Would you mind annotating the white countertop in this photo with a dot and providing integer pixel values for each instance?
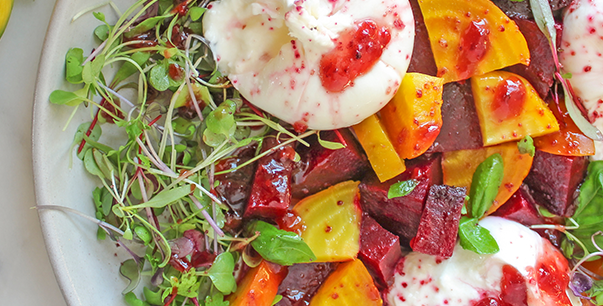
(26, 277)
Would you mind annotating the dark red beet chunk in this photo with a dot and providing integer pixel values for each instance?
(401, 215)
(235, 186)
(271, 190)
(422, 60)
(554, 180)
(439, 221)
(379, 250)
(460, 128)
(320, 168)
(542, 65)
(520, 208)
(521, 9)
(302, 282)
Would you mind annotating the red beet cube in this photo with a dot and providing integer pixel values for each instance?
(320, 167)
(440, 221)
(554, 179)
(541, 70)
(460, 124)
(401, 215)
(520, 208)
(302, 282)
(422, 60)
(379, 250)
(271, 190)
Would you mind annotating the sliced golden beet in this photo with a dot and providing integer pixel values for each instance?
(569, 140)
(381, 153)
(509, 108)
(458, 168)
(349, 284)
(413, 117)
(472, 37)
(331, 222)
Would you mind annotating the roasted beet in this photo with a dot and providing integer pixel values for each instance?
(521, 9)
(440, 221)
(271, 190)
(302, 281)
(401, 215)
(520, 208)
(379, 250)
(422, 60)
(460, 128)
(235, 186)
(541, 70)
(320, 168)
(554, 180)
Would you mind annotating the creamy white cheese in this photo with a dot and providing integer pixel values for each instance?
(581, 55)
(271, 52)
(466, 277)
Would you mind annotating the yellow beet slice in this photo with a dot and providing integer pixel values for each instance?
(471, 38)
(458, 168)
(331, 222)
(509, 108)
(413, 118)
(349, 284)
(381, 153)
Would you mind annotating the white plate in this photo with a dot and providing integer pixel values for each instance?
(87, 269)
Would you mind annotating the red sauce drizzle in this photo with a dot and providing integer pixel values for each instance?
(509, 98)
(513, 287)
(356, 51)
(553, 277)
(475, 42)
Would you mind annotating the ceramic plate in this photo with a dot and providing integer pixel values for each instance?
(87, 269)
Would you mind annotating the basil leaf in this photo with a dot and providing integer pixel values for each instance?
(279, 246)
(475, 238)
(401, 189)
(590, 207)
(484, 185)
(221, 273)
(526, 146)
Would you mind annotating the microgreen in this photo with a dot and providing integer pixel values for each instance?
(526, 146)
(402, 188)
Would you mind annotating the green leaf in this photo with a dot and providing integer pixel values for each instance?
(73, 65)
(475, 238)
(279, 246)
(165, 197)
(484, 185)
(196, 12)
(221, 120)
(132, 300)
(102, 32)
(62, 97)
(144, 26)
(90, 164)
(92, 69)
(98, 15)
(526, 146)
(187, 284)
(95, 134)
(277, 299)
(159, 78)
(216, 300)
(221, 273)
(131, 270)
(590, 207)
(401, 189)
(331, 145)
(152, 297)
(128, 69)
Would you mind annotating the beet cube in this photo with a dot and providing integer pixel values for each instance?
(401, 215)
(320, 168)
(379, 250)
(302, 282)
(520, 208)
(521, 9)
(271, 190)
(440, 221)
(554, 180)
(235, 186)
(541, 70)
(422, 59)
(460, 124)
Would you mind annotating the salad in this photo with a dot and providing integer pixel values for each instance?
(335, 152)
